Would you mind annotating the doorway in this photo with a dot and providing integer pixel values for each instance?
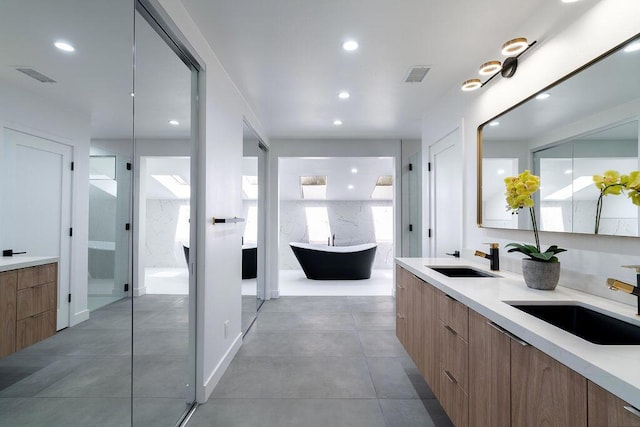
(337, 204)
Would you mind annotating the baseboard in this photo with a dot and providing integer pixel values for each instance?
(220, 369)
(79, 317)
(138, 292)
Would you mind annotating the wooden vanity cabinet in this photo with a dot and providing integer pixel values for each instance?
(453, 336)
(608, 410)
(401, 305)
(544, 392)
(489, 374)
(28, 306)
(8, 287)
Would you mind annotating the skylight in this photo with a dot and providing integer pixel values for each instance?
(313, 187)
(175, 184)
(384, 188)
(567, 192)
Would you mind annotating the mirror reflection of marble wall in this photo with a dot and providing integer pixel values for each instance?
(584, 125)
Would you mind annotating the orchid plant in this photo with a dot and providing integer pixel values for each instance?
(611, 182)
(519, 195)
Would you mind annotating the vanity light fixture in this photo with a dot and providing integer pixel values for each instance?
(64, 46)
(350, 45)
(489, 68)
(471, 84)
(542, 96)
(344, 95)
(337, 122)
(174, 122)
(512, 49)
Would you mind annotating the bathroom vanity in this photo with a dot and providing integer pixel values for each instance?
(28, 301)
(490, 363)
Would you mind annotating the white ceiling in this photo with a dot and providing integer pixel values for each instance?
(96, 80)
(286, 58)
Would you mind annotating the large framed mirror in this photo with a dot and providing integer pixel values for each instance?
(583, 125)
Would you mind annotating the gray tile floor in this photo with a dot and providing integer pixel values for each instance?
(322, 361)
(82, 375)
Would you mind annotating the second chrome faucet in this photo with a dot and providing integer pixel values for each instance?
(493, 256)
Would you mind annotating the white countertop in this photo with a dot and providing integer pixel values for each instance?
(22, 261)
(613, 367)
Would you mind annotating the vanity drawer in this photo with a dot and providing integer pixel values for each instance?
(454, 400)
(34, 276)
(35, 328)
(455, 315)
(454, 356)
(36, 299)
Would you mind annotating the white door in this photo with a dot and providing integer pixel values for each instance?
(36, 206)
(446, 194)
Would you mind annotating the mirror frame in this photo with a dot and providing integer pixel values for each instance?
(513, 107)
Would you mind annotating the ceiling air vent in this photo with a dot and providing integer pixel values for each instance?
(416, 74)
(35, 74)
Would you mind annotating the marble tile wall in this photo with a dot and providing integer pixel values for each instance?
(165, 234)
(351, 221)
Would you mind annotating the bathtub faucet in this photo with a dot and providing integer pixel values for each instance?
(493, 256)
(616, 285)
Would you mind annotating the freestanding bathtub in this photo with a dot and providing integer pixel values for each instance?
(321, 262)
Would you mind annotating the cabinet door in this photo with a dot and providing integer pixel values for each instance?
(489, 374)
(544, 392)
(430, 352)
(8, 286)
(401, 305)
(607, 410)
(415, 318)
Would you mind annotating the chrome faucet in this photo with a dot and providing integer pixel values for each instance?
(493, 256)
(617, 285)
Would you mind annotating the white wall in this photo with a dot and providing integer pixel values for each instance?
(320, 148)
(218, 267)
(26, 112)
(590, 258)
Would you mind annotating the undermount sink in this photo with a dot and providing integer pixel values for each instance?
(585, 323)
(460, 271)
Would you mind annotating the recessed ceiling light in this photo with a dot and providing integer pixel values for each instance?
(500, 171)
(344, 95)
(494, 123)
(350, 45)
(632, 47)
(174, 122)
(337, 122)
(542, 96)
(354, 170)
(64, 46)
(350, 187)
(570, 1)
(132, 94)
(568, 171)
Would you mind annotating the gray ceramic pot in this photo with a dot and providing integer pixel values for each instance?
(540, 275)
